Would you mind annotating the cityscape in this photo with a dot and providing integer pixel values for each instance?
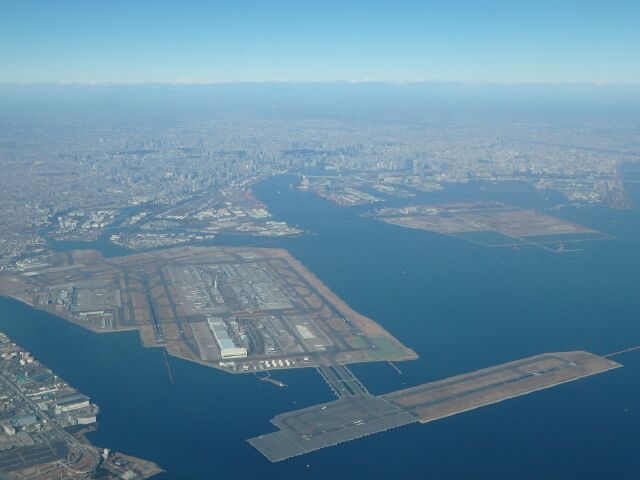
(319, 240)
(196, 178)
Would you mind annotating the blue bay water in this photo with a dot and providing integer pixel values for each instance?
(458, 305)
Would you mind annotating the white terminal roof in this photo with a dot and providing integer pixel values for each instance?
(227, 346)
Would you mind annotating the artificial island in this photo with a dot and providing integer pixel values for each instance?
(236, 308)
(492, 224)
(251, 310)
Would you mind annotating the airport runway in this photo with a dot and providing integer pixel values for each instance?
(356, 413)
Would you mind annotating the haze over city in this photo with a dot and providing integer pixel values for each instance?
(286, 240)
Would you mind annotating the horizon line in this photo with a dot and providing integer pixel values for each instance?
(366, 81)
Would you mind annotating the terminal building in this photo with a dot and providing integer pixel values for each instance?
(228, 348)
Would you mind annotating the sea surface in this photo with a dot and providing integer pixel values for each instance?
(459, 305)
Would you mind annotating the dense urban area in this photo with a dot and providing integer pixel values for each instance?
(168, 183)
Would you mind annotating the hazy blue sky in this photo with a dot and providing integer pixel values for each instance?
(308, 40)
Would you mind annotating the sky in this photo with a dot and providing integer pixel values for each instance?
(494, 41)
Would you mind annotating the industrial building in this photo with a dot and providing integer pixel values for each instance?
(228, 348)
(70, 403)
